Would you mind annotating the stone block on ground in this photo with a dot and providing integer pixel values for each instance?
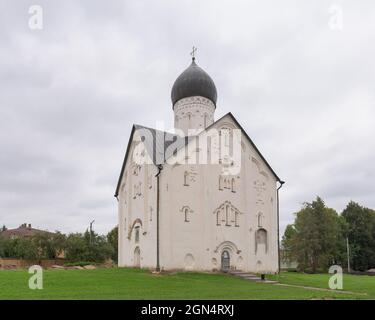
(89, 267)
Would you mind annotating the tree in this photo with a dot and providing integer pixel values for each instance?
(3, 247)
(50, 244)
(288, 242)
(315, 240)
(25, 248)
(22, 247)
(76, 247)
(361, 235)
(88, 247)
(112, 238)
(44, 245)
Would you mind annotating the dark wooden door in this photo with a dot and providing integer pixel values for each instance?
(225, 261)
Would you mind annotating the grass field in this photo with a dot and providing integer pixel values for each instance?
(364, 285)
(119, 283)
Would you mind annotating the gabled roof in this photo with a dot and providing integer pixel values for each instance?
(156, 146)
(251, 141)
(23, 231)
(162, 140)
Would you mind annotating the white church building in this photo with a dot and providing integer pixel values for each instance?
(200, 198)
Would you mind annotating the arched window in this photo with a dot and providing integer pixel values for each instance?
(189, 120)
(261, 241)
(227, 221)
(186, 213)
(186, 178)
(226, 138)
(260, 219)
(205, 120)
(236, 222)
(136, 234)
(233, 185)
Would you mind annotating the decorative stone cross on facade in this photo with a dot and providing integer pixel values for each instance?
(193, 52)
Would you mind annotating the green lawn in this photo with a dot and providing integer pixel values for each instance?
(120, 283)
(354, 283)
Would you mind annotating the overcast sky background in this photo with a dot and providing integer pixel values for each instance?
(300, 85)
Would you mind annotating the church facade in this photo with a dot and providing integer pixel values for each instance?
(202, 198)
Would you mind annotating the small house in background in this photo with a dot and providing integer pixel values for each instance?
(24, 230)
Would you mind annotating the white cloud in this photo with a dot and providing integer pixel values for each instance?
(70, 93)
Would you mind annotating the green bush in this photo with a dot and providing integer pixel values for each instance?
(78, 247)
(87, 247)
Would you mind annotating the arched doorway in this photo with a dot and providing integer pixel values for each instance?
(225, 261)
(137, 257)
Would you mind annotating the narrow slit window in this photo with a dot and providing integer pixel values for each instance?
(186, 178)
(233, 185)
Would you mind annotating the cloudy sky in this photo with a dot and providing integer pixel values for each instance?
(298, 75)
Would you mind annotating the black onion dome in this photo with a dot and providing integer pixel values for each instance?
(194, 81)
